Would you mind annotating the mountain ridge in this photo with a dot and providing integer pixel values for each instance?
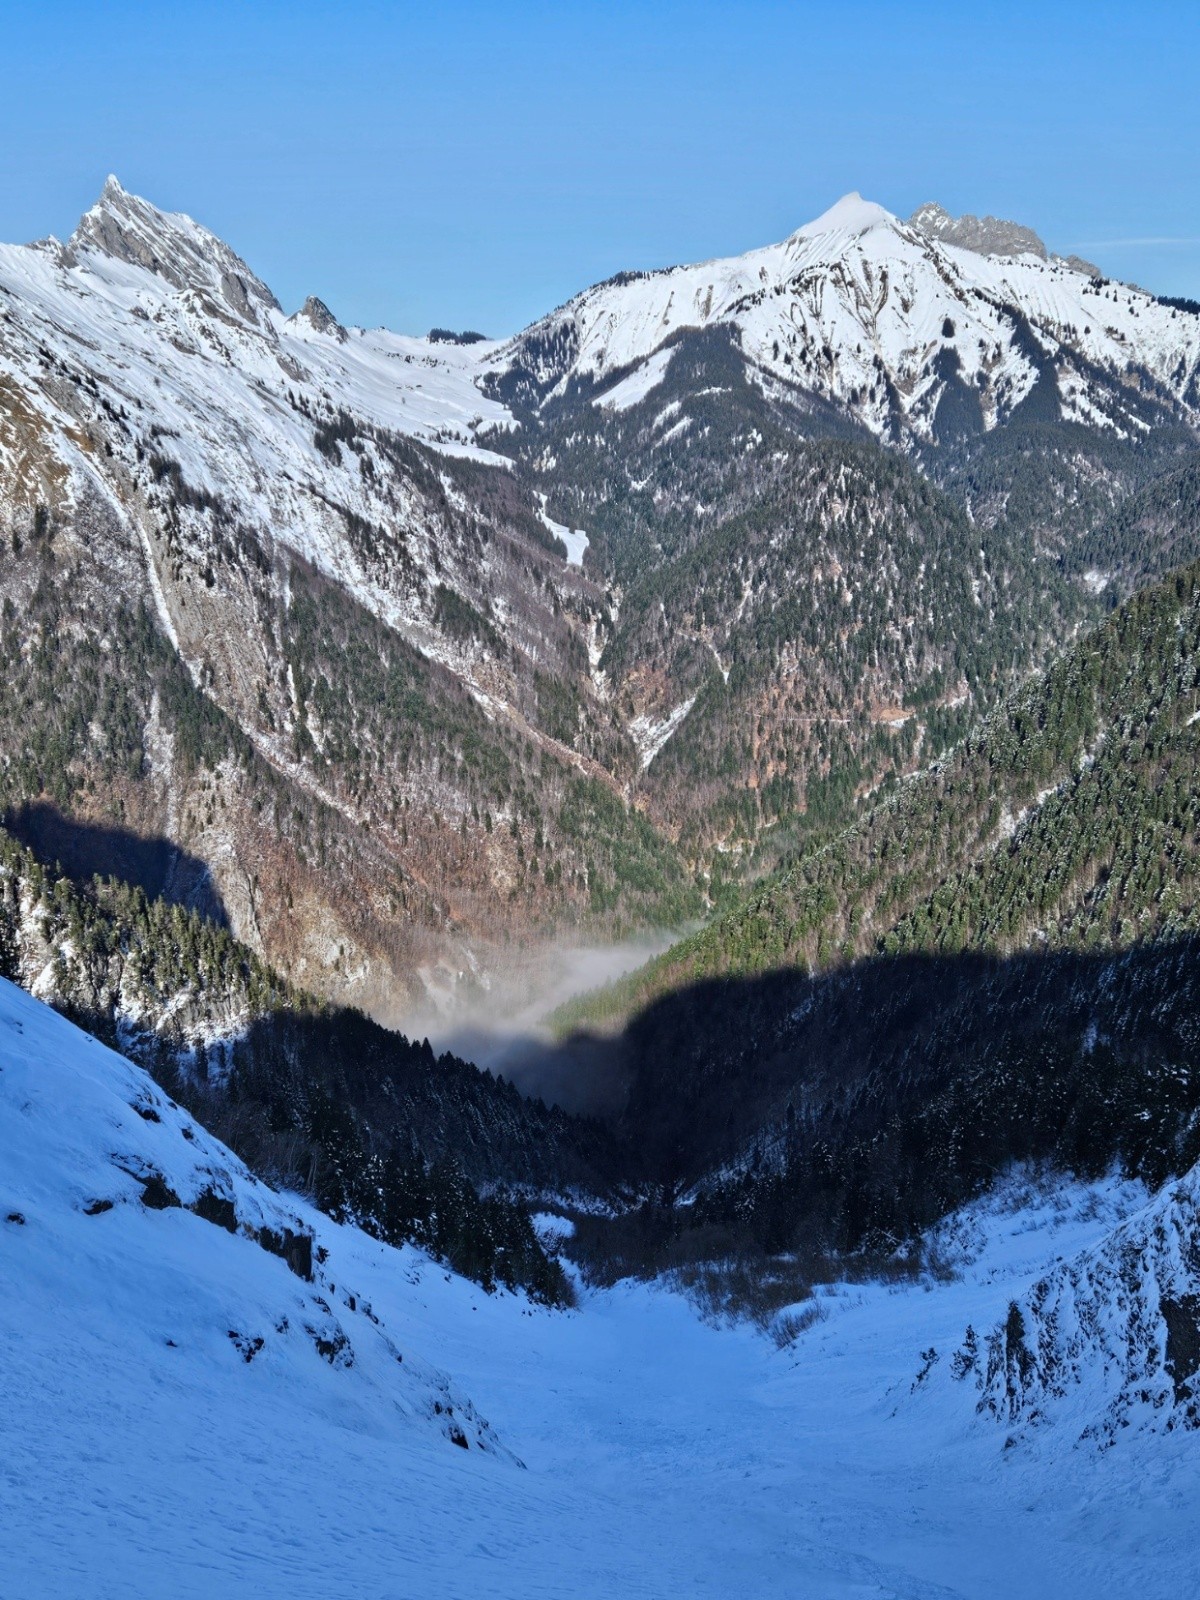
(535, 668)
(877, 269)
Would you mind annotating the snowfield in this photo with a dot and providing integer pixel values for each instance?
(151, 1448)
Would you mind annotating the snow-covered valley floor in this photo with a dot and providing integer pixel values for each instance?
(658, 1456)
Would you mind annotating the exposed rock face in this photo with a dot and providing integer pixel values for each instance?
(319, 317)
(986, 236)
(125, 228)
(1079, 264)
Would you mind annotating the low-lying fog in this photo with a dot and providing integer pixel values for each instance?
(503, 1028)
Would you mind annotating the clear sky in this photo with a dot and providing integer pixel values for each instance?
(474, 165)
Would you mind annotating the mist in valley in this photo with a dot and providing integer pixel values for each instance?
(504, 1027)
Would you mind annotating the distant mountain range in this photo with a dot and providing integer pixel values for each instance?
(413, 649)
(924, 329)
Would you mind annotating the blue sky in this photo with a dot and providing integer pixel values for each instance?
(473, 165)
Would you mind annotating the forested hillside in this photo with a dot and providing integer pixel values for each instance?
(806, 611)
(1066, 818)
(356, 809)
(999, 962)
(314, 1097)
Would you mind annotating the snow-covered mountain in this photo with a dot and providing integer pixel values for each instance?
(442, 600)
(145, 333)
(144, 362)
(259, 488)
(857, 306)
(371, 648)
(132, 279)
(891, 320)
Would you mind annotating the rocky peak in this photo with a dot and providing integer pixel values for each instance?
(1080, 264)
(320, 318)
(124, 227)
(986, 236)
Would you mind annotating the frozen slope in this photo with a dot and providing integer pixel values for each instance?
(686, 1460)
(662, 1457)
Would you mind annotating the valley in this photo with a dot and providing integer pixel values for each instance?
(600, 930)
(629, 1445)
(356, 672)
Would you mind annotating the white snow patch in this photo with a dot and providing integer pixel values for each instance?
(650, 735)
(638, 384)
(675, 431)
(575, 539)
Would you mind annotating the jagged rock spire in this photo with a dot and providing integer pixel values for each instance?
(318, 316)
(986, 236)
(124, 227)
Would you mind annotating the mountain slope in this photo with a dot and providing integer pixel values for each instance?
(1107, 1341)
(684, 419)
(147, 1430)
(145, 1268)
(999, 962)
(315, 1098)
(382, 645)
(1066, 817)
(296, 600)
(882, 318)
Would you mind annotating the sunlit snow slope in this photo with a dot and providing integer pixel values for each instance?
(147, 332)
(166, 1324)
(884, 319)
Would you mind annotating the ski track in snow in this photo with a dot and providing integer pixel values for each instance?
(662, 1457)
